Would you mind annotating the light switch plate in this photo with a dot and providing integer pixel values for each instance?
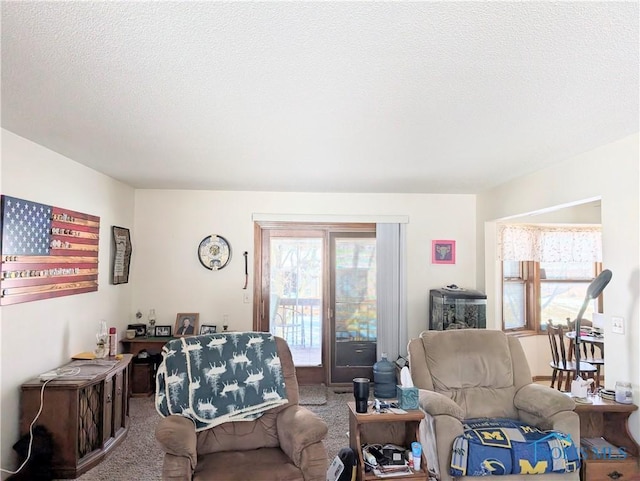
(617, 325)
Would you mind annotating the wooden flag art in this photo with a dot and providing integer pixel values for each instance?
(46, 251)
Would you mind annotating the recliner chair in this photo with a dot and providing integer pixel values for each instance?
(284, 444)
(477, 373)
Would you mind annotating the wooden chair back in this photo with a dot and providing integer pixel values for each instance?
(556, 343)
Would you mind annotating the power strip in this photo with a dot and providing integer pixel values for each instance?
(49, 375)
(61, 372)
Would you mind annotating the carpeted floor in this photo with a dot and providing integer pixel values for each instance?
(313, 395)
(139, 457)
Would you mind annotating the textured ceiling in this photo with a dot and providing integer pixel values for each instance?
(451, 97)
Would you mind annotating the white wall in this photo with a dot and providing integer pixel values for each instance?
(612, 173)
(41, 335)
(170, 224)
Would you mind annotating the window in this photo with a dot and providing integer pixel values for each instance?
(535, 292)
(514, 296)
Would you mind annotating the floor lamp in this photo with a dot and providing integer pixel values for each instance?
(594, 290)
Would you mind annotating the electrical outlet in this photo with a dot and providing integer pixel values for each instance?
(617, 325)
(245, 297)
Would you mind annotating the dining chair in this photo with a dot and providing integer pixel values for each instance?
(560, 364)
(588, 351)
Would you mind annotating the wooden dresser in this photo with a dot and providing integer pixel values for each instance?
(88, 415)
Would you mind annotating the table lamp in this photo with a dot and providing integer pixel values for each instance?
(594, 290)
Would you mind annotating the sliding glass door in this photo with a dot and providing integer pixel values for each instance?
(295, 293)
(353, 305)
(315, 288)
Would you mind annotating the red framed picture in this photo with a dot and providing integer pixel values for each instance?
(443, 252)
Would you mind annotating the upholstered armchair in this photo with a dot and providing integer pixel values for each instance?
(477, 373)
(285, 443)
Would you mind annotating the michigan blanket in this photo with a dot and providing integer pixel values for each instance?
(491, 447)
(217, 378)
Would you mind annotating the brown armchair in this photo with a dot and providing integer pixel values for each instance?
(476, 373)
(285, 443)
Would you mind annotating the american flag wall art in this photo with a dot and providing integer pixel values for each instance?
(46, 251)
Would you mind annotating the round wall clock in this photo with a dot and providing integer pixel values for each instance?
(214, 252)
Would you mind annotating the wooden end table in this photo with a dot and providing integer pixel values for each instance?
(608, 419)
(143, 375)
(384, 428)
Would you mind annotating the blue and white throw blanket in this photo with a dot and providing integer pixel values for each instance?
(217, 378)
(491, 447)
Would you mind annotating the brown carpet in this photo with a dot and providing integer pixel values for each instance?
(139, 457)
(313, 395)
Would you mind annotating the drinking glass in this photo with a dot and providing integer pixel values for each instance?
(361, 393)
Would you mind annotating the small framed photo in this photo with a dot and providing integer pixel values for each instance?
(141, 329)
(443, 252)
(163, 331)
(186, 324)
(208, 329)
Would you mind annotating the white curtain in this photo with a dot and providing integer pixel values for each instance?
(391, 290)
(543, 243)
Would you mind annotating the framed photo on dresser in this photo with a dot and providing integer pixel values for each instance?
(186, 324)
(162, 331)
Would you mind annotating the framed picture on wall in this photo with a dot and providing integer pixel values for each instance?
(121, 255)
(443, 252)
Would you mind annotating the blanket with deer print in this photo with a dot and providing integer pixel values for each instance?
(217, 378)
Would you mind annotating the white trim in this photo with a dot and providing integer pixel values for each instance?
(331, 218)
(550, 209)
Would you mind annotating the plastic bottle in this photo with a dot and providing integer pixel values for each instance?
(384, 378)
(113, 341)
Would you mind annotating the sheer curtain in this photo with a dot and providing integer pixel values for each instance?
(391, 290)
(542, 243)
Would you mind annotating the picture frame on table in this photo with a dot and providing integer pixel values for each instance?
(186, 324)
(141, 329)
(208, 329)
(162, 331)
(443, 252)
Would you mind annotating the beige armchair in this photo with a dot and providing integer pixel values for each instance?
(473, 373)
(285, 443)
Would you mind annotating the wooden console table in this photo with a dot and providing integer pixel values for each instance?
(608, 419)
(88, 415)
(384, 428)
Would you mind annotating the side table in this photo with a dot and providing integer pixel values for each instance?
(153, 345)
(143, 374)
(608, 419)
(383, 428)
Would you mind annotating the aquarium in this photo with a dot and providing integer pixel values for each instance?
(457, 308)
